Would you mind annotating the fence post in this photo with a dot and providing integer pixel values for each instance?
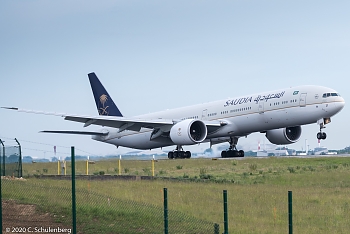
(165, 191)
(225, 213)
(119, 166)
(87, 166)
(58, 167)
(74, 218)
(19, 159)
(290, 212)
(153, 166)
(3, 158)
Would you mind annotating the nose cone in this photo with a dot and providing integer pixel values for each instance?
(340, 104)
(342, 101)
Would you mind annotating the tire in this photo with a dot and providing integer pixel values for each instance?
(181, 154)
(176, 154)
(319, 135)
(223, 154)
(241, 153)
(170, 155)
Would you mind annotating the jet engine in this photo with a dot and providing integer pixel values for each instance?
(188, 132)
(283, 136)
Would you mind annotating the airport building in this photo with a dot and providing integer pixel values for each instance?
(280, 151)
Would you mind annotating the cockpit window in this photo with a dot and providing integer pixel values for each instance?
(330, 95)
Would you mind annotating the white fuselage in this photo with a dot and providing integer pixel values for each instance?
(242, 115)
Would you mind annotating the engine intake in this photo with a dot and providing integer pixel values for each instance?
(188, 132)
(283, 136)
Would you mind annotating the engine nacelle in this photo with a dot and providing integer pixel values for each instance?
(188, 132)
(284, 136)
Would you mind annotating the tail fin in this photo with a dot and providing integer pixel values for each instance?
(104, 102)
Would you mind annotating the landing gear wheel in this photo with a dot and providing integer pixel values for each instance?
(232, 150)
(176, 154)
(241, 153)
(179, 153)
(224, 154)
(187, 154)
(232, 153)
(321, 135)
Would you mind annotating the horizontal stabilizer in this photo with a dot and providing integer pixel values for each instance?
(10, 108)
(79, 133)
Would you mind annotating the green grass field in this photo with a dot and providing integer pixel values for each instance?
(257, 194)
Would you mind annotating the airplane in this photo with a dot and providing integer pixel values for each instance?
(278, 114)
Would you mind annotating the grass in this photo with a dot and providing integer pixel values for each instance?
(257, 193)
(221, 169)
(99, 212)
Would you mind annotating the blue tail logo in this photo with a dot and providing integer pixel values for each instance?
(104, 102)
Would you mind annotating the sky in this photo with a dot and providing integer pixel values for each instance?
(157, 55)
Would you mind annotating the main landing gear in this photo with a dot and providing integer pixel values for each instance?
(232, 150)
(179, 153)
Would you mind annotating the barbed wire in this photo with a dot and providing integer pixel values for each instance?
(46, 151)
(40, 143)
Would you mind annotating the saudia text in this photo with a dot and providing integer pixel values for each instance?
(258, 99)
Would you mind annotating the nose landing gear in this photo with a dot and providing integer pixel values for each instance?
(322, 135)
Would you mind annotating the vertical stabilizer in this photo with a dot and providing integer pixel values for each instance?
(104, 102)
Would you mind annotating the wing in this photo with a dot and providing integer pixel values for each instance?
(122, 123)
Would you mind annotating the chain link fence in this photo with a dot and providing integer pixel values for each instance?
(42, 201)
(118, 206)
(11, 161)
(46, 205)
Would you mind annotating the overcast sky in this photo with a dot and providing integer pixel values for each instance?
(156, 55)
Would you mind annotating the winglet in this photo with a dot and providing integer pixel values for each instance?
(104, 102)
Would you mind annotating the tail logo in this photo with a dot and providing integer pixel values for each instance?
(103, 110)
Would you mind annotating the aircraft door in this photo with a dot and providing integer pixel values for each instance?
(302, 100)
(261, 106)
(204, 114)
